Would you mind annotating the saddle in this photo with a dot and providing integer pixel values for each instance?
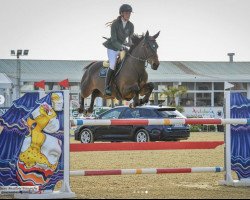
(121, 56)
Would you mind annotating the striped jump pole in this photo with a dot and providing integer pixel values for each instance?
(146, 122)
(133, 146)
(145, 171)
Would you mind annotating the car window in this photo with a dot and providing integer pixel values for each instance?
(112, 114)
(148, 113)
(100, 110)
(131, 113)
(171, 114)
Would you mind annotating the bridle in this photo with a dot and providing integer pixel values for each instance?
(152, 47)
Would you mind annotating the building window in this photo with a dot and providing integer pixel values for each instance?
(189, 86)
(203, 99)
(239, 86)
(187, 100)
(74, 86)
(218, 86)
(218, 99)
(56, 87)
(164, 86)
(27, 86)
(74, 96)
(203, 86)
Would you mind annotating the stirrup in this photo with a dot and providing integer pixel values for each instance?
(108, 91)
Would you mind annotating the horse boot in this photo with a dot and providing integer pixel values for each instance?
(108, 91)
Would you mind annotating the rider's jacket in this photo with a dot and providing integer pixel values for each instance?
(119, 34)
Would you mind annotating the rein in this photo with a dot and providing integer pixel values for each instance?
(138, 58)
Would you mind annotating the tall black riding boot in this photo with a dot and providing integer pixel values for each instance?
(107, 82)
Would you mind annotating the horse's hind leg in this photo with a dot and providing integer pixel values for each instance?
(146, 92)
(86, 90)
(81, 109)
(95, 94)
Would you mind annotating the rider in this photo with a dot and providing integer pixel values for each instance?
(121, 29)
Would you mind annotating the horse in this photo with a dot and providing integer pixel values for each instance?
(130, 82)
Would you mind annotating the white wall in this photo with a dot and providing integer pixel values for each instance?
(204, 112)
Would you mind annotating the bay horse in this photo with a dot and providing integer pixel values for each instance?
(132, 79)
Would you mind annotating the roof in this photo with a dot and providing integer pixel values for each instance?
(168, 71)
(5, 82)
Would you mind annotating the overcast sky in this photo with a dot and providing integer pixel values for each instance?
(191, 30)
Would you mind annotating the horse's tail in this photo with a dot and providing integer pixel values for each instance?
(88, 66)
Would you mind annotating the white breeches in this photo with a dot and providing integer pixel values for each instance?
(112, 55)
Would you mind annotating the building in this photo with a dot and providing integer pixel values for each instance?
(5, 97)
(204, 80)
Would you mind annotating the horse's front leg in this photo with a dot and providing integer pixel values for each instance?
(133, 92)
(146, 91)
(136, 101)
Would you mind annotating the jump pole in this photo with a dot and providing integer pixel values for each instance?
(142, 146)
(147, 122)
(145, 171)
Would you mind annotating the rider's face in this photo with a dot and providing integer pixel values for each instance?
(126, 15)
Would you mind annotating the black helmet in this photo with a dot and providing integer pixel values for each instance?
(125, 8)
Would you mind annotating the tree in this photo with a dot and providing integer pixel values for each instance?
(172, 93)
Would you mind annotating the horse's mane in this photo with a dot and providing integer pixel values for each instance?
(88, 66)
(136, 39)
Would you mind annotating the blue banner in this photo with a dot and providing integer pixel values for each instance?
(240, 139)
(31, 142)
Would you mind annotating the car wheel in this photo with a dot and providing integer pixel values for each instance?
(142, 136)
(86, 136)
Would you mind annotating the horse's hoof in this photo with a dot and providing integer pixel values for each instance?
(131, 105)
(141, 102)
(90, 111)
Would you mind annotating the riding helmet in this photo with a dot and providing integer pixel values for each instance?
(125, 8)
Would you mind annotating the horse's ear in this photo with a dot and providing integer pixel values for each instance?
(156, 35)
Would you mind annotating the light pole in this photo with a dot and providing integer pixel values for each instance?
(19, 53)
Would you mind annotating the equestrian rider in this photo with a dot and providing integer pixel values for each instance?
(121, 29)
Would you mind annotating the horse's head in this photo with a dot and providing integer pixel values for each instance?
(150, 47)
(144, 49)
